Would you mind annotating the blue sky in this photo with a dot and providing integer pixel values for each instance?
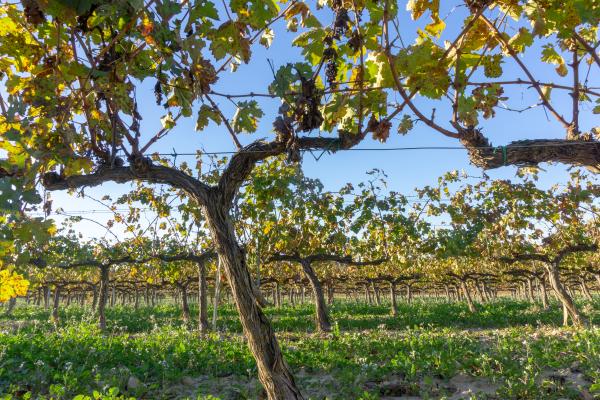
(406, 169)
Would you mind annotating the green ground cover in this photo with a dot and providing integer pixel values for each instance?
(432, 350)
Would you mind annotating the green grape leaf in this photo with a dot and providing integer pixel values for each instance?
(246, 117)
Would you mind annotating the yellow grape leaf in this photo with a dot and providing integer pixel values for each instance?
(436, 27)
(268, 226)
(12, 285)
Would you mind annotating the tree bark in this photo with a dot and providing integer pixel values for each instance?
(216, 295)
(273, 371)
(55, 317)
(112, 296)
(447, 290)
(203, 326)
(486, 291)
(259, 296)
(563, 296)
(467, 295)
(458, 293)
(322, 321)
(46, 297)
(542, 284)
(376, 294)
(524, 291)
(103, 296)
(530, 289)
(394, 305)
(585, 290)
(479, 291)
(185, 307)
(565, 315)
(277, 295)
(531, 152)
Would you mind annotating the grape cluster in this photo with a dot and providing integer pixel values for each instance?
(331, 68)
(355, 41)
(158, 94)
(204, 75)
(283, 123)
(307, 112)
(283, 126)
(476, 5)
(108, 61)
(342, 19)
(33, 12)
(340, 26)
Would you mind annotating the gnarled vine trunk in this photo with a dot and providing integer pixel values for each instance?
(479, 291)
(185, 307)
(563, 296)
(259, 296)
(202, 299)
(330, 292)
(136, 301)
(376, 293)
(542, 285)
(273, 371)
(94, 297)
(394, 305)
(530, 289)
(321, 316)
(467, 295)
(458, 293)
(484, 294)
(103, 297)
(46, 297)
(291, 295)
(585, 289)
(55, 317)
(277, 295)
(113, 295)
